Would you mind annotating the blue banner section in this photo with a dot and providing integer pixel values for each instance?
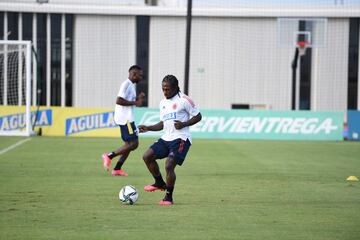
(353, 118)
(89, 122)
(16, 121)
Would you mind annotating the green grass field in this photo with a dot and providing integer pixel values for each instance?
(56, 188)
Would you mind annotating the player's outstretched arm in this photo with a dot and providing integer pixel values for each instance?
(156, 127)
(179, 125)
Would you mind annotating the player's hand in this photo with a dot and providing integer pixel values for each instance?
(141, 97)
(138, 103)
(178, 125)
(143, 128)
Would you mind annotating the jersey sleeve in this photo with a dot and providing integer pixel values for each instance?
(123, 90)
(190, 106)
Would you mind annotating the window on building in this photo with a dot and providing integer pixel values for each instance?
(1, 57)
(240, 106)
(27, 26)
(353, 67)
(305, 71)
(55, 60)
(41, 53)
(12, 84)
(13, 26)
(1, 25)
(142, 53)
(68, 59)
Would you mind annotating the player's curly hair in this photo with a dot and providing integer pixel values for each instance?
(135, 67)
(172, 80)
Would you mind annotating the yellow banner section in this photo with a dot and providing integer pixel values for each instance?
(82, 122)
(62, 121)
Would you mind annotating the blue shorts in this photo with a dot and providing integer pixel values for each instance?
(176, 149)
(128, 132)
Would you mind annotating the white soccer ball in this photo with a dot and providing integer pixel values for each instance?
(128, 194)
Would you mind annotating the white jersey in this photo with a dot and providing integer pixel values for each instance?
(124, 114)
(177, 108)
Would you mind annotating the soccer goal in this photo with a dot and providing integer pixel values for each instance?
(15, 88)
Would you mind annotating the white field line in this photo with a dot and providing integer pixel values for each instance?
(2, 151)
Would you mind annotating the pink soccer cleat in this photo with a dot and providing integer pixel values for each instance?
(166, 202)
(107, 161)
(119, 173)
(151, 188)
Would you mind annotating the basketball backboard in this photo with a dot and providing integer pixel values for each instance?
(291, 31)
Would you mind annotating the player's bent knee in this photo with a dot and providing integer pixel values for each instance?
(148, 156)
(133, 145)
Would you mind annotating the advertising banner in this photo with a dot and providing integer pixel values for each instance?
(245, 124)
(218, 124)
(13, 118)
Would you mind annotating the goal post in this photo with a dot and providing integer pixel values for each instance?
(15, 88)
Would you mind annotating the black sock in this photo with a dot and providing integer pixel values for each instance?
(119, 163)
(169, 192)
(111, 155)
(159, 181)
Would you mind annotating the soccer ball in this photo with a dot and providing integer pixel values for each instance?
(128, 194)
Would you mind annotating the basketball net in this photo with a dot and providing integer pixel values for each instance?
(302, 46)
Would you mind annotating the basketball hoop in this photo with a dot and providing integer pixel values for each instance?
(302, 46)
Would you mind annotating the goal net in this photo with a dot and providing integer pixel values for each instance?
(15, 88)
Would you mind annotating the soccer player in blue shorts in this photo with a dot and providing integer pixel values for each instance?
(124, 117)
(177, 113)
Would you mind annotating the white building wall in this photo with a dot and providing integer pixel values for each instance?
(234, 52)
(104, 49)
(238, 61)
(85, 2)
(233, 61)
(330, 69)
(167, 54)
